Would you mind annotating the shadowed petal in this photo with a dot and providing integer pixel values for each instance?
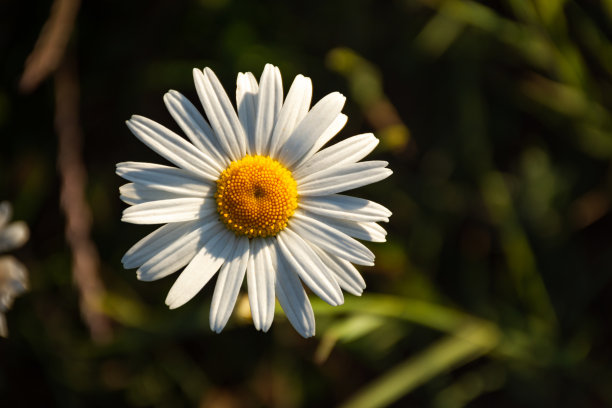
(331, 240)
(196, 128)
(221, 114)
(345, 177)
(270, 99)
(345, 207)
(293, 111)
(246, 100)
(202, 267)
(293, 299)
(228, 285)
(172, 147)
(350, 150)
(302, 140)
(309, 267)
(261, 277)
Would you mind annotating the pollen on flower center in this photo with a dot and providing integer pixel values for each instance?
(256, 196)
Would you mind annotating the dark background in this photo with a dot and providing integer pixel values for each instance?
(494, 286)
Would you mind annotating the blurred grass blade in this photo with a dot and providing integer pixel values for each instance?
(550, 10)
(346, 330)
(471, 385)
(427, 314)
(519, 254)
(468, 343)
(439, 33)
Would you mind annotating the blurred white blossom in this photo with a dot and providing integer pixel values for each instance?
(13, 274)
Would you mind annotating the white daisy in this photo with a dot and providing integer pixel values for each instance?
(253, 194)
(13, 274)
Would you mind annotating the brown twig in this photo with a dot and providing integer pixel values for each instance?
(86, 261)
(51, 44)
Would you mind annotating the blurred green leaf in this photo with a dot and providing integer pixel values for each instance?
(468, 343)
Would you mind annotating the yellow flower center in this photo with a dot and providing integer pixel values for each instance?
(256, 196)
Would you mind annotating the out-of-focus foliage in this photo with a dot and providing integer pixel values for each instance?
(494, 288)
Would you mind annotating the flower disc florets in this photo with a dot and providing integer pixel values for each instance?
(256, 196)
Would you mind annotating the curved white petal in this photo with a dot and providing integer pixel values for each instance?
(156, 241)
(293, 111)
(261, 277)
(6, 212)
(135, 193)
(165, 178)
(171, 210)
(178, 253)
(220, 113)
(269, 101)
(293, 299)
(228, 285)
(172, 147)
(202, 267)
(331, 131)
(346, 274)
(196, 128)
(300, 256)
(331, 239)
(14, 281)
(350, 150)
(367, 231)
(344, 177)
(345, 207)
(13, 236)
(302, 140)
(246, 101)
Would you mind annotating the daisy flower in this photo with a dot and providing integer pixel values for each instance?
(254, 194)
(13, 274)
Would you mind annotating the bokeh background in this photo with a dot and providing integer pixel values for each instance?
(494, 288)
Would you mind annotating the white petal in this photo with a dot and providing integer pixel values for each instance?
(350, 150)
(302, 140)
(3, 326)
(13, 281)
(13, 236)
(261, 273)
(178, 253)
(157, 182)
(279, 89)
(202, 267)
(164, 178)
(346, 274)
(196, 128)
(368, 231)
(345, 207)
(270, 99)
(293, 299)
(6, 212)
(132, 194)
(344, 177)
(172, 180)
(246, 101)
(228, 285)
(331, 131)
(293, 111)
(171, 210)
(331, 239)
(135, 193)
(172, 147)
(157, 241)
(220, 113)
(309, 267)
